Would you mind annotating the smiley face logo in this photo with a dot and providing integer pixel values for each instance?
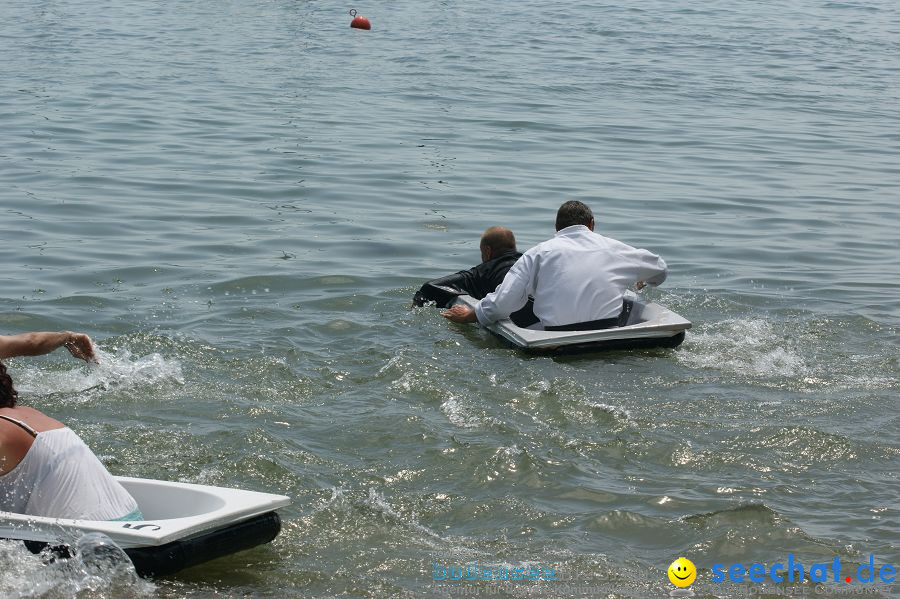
(682, 572)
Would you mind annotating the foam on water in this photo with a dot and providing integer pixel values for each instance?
(618, 412)
(459, 413)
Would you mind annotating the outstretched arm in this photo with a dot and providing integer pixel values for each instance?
(37, 344)
(510, 296)
(650, 268)
(445, 290)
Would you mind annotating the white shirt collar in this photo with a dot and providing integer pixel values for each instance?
(572, 230)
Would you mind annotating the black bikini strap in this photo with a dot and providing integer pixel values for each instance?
(21, 425)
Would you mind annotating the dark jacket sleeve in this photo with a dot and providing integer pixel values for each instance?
(444, 291)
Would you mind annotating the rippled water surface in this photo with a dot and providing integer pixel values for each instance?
(238, 199)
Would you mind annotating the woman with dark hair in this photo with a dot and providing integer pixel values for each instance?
(45, 468)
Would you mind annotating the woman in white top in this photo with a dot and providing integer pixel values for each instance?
(45, 468)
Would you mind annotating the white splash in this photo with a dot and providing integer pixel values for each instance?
(744, 346)
(120, 370)
(26, 576)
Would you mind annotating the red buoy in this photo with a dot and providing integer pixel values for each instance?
(359, 22)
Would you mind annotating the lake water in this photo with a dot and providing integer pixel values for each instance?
(237, 200)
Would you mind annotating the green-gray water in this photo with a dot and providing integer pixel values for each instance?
(237, 201)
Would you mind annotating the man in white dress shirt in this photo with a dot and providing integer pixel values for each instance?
(578, 278)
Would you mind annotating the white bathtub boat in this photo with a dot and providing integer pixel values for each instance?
(184, 525)
(649, 325)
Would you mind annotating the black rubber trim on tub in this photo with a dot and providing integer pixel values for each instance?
(173, 557)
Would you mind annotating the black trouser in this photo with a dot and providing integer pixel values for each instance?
(595, 325)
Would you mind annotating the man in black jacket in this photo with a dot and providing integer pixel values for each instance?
(498, 254)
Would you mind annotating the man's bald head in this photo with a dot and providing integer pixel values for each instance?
(496, 241)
